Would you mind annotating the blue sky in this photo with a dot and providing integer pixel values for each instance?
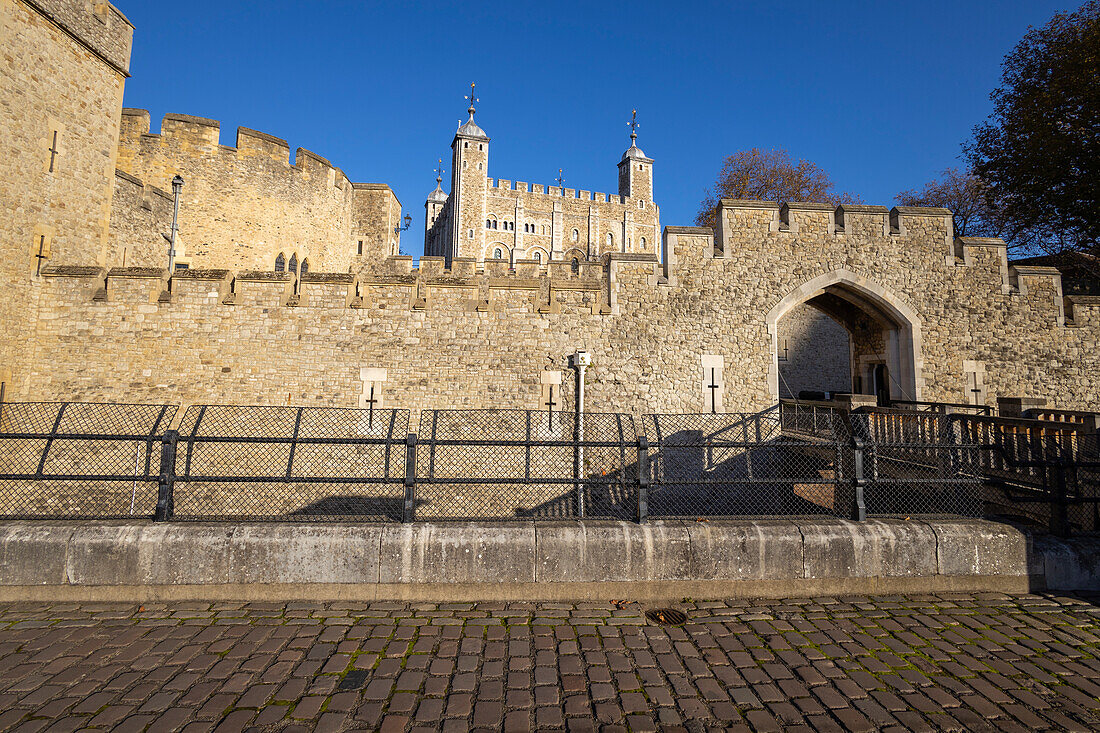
(881, 95)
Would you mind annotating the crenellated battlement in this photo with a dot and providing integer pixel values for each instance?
(201, 136)
(416, 287)
(505, 187)
(741, 216)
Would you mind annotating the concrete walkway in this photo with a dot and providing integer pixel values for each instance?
(932, 662)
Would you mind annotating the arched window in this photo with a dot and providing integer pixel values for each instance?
(538, 257)
(280, 263)
(498, 254)
(305, 267)
(576, 235)
(488, 223)
(610, 239)
(643, 242)
(575, 265)
(294, 263)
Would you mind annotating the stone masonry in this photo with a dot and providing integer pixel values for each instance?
(485, 219)
(813, 353)
(243, 206)
(62, 68)
(928, 316)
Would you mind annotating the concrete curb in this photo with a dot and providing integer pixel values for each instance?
(566, 560)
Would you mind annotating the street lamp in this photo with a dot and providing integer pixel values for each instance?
(177, 189)
(408, 222)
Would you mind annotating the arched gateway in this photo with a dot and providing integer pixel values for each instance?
(885, 333)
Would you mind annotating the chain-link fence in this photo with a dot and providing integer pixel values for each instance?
(917, 463)
(80, 460)
(781, 462)
(525, 464)
(1045, 472)
(301, 463)
(322, 463)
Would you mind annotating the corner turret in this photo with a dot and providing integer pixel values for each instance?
(433, 206)
(469, 171)
(635, 169)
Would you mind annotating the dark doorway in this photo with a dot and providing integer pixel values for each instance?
(882, 385)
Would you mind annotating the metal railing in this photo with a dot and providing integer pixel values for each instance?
(780, 462)
(331, 464)
(303, 463)
(946, 408)
(525, 464)
(80, 460)
(915, 463)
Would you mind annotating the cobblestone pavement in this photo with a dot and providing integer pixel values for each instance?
(945, 662)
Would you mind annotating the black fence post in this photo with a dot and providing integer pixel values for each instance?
(859, 505)
(166, 506)
(410, 478)
(643, 479)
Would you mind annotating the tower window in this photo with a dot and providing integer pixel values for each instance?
(480, 146)
(538, 257)
(610, 239)
(576, 235)
(643, 242)
(360, 251)
(465, 145)
(305, 266)
(498, 254)
(280, 263)
(575, 265)
(294, 264)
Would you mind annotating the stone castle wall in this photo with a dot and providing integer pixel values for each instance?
(461, 338)
(376, 213)
(555, 213)
(817, 353)
(100, 321)
(141, 217)
(243, 206)
(522, 221)
(63, 64)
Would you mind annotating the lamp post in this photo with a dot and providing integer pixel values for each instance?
(408, 222)
(177, 189)
(579, 360)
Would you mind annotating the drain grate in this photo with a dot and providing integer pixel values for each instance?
(353, 680)
(666, 616)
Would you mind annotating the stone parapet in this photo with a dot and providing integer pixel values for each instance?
(568, 560)
(100, 27)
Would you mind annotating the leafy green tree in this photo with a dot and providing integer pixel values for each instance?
(1038, 153)
(768, 175)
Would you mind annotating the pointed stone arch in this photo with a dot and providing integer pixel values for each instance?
(900, 324)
